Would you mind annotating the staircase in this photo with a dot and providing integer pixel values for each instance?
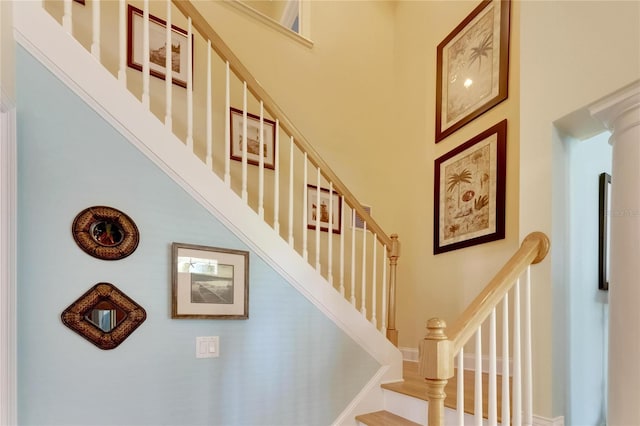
(273, 203)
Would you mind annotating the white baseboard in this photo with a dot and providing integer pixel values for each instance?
(410, 354)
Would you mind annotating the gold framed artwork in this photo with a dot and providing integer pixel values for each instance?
(157, 47)
(469, 192)
(253, 139)
(209, 282)
(472, 67)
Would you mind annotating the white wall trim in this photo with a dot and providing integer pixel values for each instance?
(8, 246)
(43, 37)
(370, 398)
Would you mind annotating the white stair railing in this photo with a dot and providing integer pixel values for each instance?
(195, 100)
(438, 349)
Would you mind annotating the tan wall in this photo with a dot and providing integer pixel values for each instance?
(444, 284)
(7, 62)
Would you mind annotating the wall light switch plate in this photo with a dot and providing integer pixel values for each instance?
(207, 347)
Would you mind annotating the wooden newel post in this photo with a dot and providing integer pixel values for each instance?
(436, 366)
(394, 254)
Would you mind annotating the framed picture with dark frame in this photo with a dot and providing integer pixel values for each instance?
(157, 47)
(253, 139)
(330, 209)
(209, 282)
(472, 67)
(604, 228)
(469, 192)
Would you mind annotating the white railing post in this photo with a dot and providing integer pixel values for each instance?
(261, 145)
(276, 181)
(67, 17)
(528, 369)
(342, 206)
(493, 382)
(245, 196)
(168, 79)
(189, 85)
(330, 237)
(517, 370)
(305, 251)
(353, 259)
(95, 15)
(122, 42)
(145, 55)
(291, 201)
(506, 398)
(227, 129)
(318, 219)
(477, 394)
(363, 291)
(209, 157)
(460, 388)
(374, 290)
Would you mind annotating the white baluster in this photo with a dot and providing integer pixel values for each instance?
(527, 383)
(342, 247)
(276, 181)
(261, 146)
(330, 237)
(493, 382)
(383, 328)
(318, 217)
(517, 370)
(145, 55)
(168, 79)
(122, 42)
(209, 157)
(305, 251)
(244, 143)
(353, 259)
(460, 388)
(67, 17)
(227, 130)
(363, 295)
(477, 395)
(95, 15)
(374, 295)
(291, 148)
(189, 86)
(506, 398)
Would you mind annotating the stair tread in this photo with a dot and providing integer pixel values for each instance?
(384, 418)
(413, 385)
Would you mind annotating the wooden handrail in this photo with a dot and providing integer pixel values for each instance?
(533, 249)
(203, 27)
(438, 348)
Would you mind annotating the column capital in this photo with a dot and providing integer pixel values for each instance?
(620, 110)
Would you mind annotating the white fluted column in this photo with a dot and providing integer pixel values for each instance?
(620, 113)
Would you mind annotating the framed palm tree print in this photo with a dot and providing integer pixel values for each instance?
(472, 67)
(469, 192)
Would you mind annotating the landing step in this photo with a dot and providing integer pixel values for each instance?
(384, 418)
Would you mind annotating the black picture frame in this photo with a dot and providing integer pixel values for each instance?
(604, 224)
(474, 173)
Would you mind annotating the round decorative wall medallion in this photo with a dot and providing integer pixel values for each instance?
(105, 233)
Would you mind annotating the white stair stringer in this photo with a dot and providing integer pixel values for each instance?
(37, 32)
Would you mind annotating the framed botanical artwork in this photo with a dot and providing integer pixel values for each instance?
(253, 139)
(328, 210)
(209, 282)
(604, 229)
(472, 67)
(157, 47)
(357, 221)
(469, 192)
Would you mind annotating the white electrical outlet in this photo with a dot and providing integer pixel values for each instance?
(207, 347)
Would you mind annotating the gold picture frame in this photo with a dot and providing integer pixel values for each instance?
(472, 67)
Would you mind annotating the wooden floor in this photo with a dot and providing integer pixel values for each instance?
(415, 386)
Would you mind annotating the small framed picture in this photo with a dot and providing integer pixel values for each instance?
(356, 221)
(604, 208)
(209, 282)
(157, 47)
(472, 67)
(469, 192)
(329, 209)
(253, 139)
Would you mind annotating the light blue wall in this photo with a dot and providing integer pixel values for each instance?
(588, 306)
(286, 365)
